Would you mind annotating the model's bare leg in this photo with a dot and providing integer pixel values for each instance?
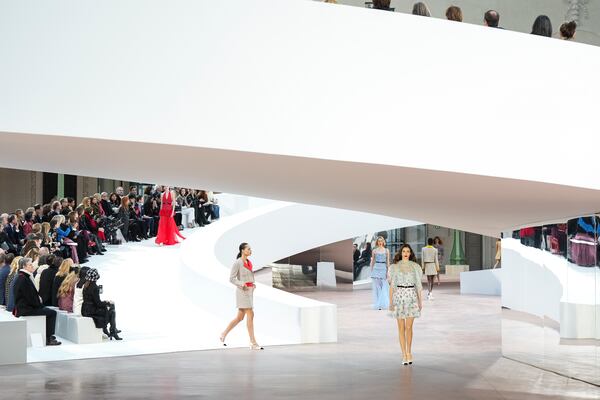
(250, 325)
(402, 337)
(430, 281)
(409, 336)
(238, 318)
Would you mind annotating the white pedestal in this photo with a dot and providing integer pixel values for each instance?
(13, 345)
(326, 275)
(456, 269)
(36, 330)
(487, 281)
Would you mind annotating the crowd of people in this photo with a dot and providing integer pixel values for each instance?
(42, 249)
(542, 25)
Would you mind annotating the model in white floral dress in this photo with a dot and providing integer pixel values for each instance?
(405, 281)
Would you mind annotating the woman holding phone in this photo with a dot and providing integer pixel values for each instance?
(242, 276)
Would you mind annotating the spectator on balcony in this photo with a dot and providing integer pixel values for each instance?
(421, 9)
(454, 13)
(542, 26)
(567, 30)
(491, 18)
(382, 5)
(27, 300)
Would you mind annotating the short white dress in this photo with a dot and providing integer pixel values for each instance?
(405, 280)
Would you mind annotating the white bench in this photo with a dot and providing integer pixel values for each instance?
(75, 328)
(13, 343)
(82, 330)
(36, 326)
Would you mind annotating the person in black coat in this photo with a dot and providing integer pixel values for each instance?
(102, 312)
(27, 300)
(47, 281)
(365, 259)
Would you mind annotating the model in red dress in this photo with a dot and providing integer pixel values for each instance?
(167, 230)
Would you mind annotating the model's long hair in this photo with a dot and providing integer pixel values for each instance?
(241, 248)
(398, 255)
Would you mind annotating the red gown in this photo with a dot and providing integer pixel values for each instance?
(167, 230)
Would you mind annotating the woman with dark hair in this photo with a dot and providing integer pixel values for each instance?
(382, 5)
(421, 9)
(405, 297)
(567, 32)
(78, 291)
(454, 13)
(242, 276)
(102, 312)
(114, 200)
(542, 26)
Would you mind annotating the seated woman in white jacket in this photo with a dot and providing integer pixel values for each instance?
(78, 293)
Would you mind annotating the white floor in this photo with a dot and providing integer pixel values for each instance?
(152, 290)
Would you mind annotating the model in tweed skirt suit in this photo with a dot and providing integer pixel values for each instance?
(242, 276)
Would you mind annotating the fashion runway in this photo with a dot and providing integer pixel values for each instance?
(456, 350)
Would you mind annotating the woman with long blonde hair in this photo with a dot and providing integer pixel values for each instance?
(11, 279)
(66, 291)
(63, 271)
(380, 262)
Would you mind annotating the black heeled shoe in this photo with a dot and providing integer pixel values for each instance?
(115, 335)
(105, 331)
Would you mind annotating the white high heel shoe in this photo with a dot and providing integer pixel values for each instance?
(256, 346)
(222, 339)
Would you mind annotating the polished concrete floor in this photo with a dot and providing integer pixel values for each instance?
(456, 349)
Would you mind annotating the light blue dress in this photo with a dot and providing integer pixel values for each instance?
(381, 294)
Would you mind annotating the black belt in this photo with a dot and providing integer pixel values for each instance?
(406, 287)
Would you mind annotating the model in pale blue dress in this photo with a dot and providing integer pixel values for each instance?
(381, 289)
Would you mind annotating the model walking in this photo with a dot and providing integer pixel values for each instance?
(439, 245)
(167, 228)
(498, 253)
(405, 297)
(380, 262)
(430, 265)
(243, 277)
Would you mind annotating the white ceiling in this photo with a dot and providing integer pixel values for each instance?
(417, 118)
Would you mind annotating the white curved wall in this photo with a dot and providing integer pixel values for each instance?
(545, 285)
(306, 115)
